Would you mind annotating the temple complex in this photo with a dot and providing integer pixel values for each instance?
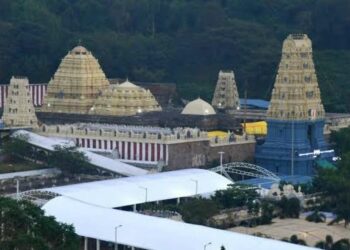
(226, 94)
(18, 107)
(296, 115)
(125, 99)
(77, 83)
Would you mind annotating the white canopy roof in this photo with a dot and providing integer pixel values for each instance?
(151, 232)
(132, 190)
(198, 107)
(95, 159)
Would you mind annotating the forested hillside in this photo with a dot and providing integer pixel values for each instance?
(181, 41)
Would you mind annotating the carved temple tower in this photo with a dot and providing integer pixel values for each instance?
(296, 115)
(226, 94)
(77, 83)
(18, 107)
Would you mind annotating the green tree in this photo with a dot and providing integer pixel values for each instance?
(289, 208)
(329, 244)
(316, 216)
(69, 160)
(335, 187)
(198, 211)
(295, 240)
(267, 210)
(24, 226)
(17, 147)
(236, 196)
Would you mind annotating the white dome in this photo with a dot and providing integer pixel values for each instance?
(198, 107)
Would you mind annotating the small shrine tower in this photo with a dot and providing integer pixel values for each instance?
(18, 108)
(296, 115)
(226, 94)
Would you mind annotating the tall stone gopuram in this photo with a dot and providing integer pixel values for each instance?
(18, 107)
(296, 115)
(77, 83)
(226, 94)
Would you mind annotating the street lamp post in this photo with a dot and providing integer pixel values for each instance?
(221, 153)
(196, 182)
(116, 236)
(146, 192)
(205, 245)
(17, 188)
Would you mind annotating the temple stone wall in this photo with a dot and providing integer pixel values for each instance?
(244, 151)
(204, 154)
(187, 155)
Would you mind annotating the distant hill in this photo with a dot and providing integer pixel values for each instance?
(181, 41)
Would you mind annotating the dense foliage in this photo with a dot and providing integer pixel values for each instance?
(198, 211)
(186, 42)
(334, 183)
(69, 160)
(24, 226)
(16, 148)
(236, 196)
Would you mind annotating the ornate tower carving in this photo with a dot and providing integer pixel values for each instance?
(226, 94)
(125, 99)
(77, 83)
(18, 108)
(295, 116)
(296, 95)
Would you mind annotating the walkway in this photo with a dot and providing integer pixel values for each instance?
(95, 159)
(46, 171)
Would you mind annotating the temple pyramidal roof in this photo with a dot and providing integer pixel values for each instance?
(80, 86)
(296, 95)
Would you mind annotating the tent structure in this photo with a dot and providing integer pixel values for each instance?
(147, 188)
(149, 232)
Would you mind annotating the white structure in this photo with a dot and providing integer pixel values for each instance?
(95, 159)
(147, 188)
(198, 107)
(149, 232)
(18, 109)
